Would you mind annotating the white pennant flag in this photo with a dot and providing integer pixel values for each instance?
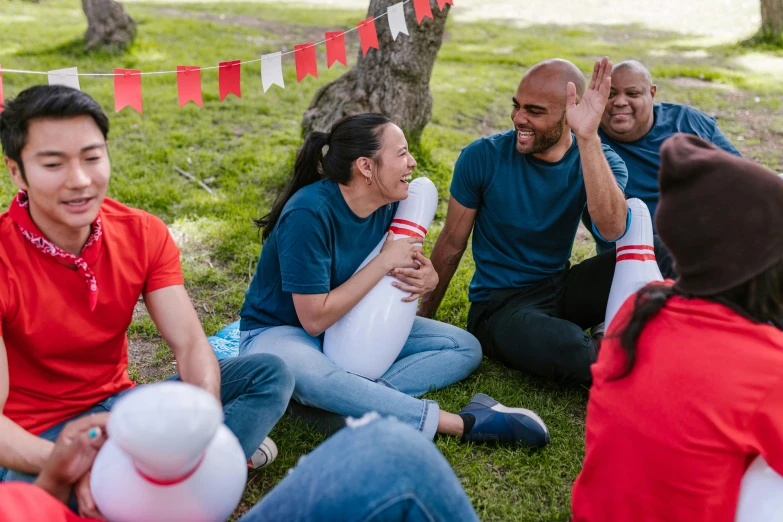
(65, 77)
(396, 16)
(271, 71)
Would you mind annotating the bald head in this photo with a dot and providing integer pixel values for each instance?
(637, 68)
(557, 73)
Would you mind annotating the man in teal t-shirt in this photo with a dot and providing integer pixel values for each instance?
(522, 193)
(635, 128)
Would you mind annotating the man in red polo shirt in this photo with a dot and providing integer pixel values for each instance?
(73, 264)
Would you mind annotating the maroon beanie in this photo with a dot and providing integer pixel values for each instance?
(719, 215)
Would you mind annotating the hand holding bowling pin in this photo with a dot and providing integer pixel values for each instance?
(169, 457)
(367, 340)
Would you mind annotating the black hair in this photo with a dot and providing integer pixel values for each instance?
(351, 138)
(760, 300)
(44, 101)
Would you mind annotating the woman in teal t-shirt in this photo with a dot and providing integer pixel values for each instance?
(330, 216)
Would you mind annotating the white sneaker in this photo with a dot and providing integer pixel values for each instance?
(264, 455)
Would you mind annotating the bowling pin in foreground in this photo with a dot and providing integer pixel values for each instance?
(169, 457)
(368, 339)
(635, 264)
(761, 494)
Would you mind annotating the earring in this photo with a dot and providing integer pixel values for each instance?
(369, 181)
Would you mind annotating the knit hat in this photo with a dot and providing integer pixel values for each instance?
(719, 215)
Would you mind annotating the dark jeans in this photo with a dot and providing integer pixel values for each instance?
(540, 329)
(255, 390)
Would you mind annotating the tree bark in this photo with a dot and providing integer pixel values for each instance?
(772, 17)
(393, 81)
(108, 25)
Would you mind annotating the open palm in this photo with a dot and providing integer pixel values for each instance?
(585, 117)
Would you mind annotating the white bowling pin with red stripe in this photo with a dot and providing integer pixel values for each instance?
(169, 457)
(761, 494)
(368, 339)
(635, 264)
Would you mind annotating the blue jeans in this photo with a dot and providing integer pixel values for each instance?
(380, 472)
(435, 355)
(255, 391)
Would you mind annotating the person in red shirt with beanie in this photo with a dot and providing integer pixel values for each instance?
(688, 386)
(73, 264)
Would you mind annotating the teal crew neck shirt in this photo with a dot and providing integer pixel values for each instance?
(316, 245)
(528, 210)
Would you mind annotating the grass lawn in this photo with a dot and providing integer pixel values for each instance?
(243, 148)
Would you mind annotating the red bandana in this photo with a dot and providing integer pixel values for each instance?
(20, 213)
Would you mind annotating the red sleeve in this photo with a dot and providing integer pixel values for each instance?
(20, 502)
(164, 268)
(767, 428)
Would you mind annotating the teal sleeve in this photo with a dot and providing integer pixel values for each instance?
(723, 142)
(617, 165)
(304, 253)
(467, 182)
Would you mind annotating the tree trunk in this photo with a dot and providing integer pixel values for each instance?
(393, 81)
(108, 25)
(772, 17)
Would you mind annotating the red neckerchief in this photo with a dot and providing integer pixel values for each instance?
(20, 213)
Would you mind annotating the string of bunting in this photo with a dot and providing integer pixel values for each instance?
(127, 82)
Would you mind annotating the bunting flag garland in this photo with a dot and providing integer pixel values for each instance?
(189, 85)
(442, 3)
(423, 10)
(368, 35)
(335, 48)
(68, 77)
(127, 82)
(306, 63)
(127, 89)
(396, 16)
(228, 79)
(272, 71)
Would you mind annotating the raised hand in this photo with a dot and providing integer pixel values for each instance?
(585, 117)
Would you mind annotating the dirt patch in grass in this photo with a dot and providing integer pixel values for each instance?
(283, 31)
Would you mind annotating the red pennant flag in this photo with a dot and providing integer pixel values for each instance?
(127, 89)
(335, 48)
(189, 85)
(423, 10)
(442, 3)
(368, 35)
(2, 100)
(228, 78)
(305, 61)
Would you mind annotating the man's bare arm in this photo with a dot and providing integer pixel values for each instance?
(172, 312)
(20, 450)
(446, 255)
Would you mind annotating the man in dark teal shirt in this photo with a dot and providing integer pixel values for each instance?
(635, 128)
(522, 193)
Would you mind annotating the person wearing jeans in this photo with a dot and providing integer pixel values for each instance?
(332, 214)
(73, 265)
(377, 470)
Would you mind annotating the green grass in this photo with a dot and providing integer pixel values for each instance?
(245, 148)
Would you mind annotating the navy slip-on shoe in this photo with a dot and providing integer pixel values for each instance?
(498, 423)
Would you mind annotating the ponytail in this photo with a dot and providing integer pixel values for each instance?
(649, 301)
(759, 300)
(351, 138)
(307, 170)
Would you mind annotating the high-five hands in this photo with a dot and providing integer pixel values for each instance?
(584, 117)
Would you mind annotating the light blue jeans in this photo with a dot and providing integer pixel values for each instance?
(383, 471)
(435, 355)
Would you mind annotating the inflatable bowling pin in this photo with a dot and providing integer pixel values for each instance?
(168, 457)
(368, 339)
(761, 494)
(635, 263)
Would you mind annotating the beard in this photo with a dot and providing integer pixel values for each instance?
(547, 139)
